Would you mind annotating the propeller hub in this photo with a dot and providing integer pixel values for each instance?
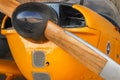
(30, 20)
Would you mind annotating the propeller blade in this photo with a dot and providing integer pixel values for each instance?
(8, 6)
(89, 56)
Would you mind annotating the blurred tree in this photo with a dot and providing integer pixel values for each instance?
(23, 1)
(117, 4)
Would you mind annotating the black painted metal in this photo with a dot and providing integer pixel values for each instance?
(30, 20)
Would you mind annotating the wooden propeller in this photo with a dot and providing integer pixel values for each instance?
(8, 6)
(86, 54)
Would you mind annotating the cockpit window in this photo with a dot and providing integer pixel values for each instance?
(71, 18)
(103, 7)
(68, 17)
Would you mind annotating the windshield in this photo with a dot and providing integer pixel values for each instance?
(103, 7)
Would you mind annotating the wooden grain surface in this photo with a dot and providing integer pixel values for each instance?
(9, 3)
(8, 6)
(79, 51)
(56, 34)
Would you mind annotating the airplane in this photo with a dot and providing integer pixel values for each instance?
(59, 40)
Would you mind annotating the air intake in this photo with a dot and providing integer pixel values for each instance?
(38, 59)
(41, 76)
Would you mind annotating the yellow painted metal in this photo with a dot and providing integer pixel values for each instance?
(108, 33)
(88, 34)
(4, 21)
(9, 68)
(95, 21)
(58, 64)
(61, 65)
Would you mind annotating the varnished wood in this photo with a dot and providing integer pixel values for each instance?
(53, 32)
(8, 6)
(79, 51)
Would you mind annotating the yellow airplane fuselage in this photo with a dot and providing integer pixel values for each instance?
(51, 61)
